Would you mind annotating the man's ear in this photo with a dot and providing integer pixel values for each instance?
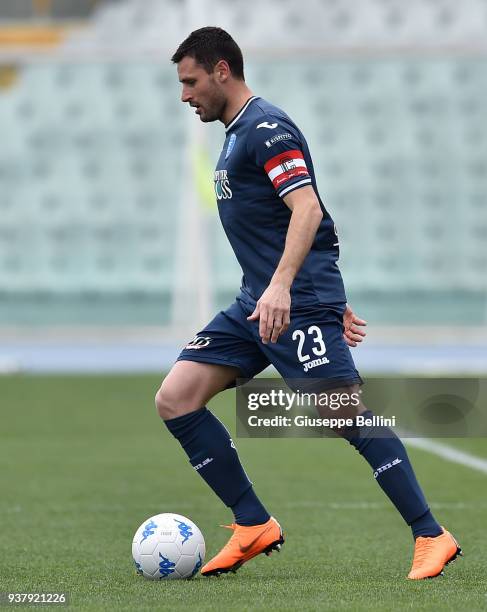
(222, 71)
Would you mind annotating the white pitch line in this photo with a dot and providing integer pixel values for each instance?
(368, 505)
(449, 453)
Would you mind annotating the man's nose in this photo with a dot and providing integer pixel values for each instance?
(185, 96)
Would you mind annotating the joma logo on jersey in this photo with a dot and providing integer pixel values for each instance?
(266, 124)
(222, 185)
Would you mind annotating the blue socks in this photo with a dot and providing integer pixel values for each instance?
(394, 473)
(248, 510)
(213, 455)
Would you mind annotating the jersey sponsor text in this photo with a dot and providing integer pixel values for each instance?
(222, 185)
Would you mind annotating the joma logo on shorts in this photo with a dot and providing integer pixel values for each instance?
(315, 363)
(198, 342)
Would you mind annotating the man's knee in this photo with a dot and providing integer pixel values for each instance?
(190, 385)
(342, 405)
(163, 404)
(171, 403)
(167, 403)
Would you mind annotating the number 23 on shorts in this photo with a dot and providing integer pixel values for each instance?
(300, 336)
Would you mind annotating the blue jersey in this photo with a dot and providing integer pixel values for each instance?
(265, 157)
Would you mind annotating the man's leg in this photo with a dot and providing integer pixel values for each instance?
(393, 471)
(212, 453)
(386, 455)
(319, 333)
(181, 403)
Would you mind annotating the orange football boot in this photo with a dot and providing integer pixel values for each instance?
(432, 554)
(245, 543)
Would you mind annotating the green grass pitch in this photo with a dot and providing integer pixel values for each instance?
(84, 460)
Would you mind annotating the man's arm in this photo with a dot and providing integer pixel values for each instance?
(274, 306)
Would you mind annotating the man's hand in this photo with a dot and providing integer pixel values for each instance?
(273, 311)
(353, 334)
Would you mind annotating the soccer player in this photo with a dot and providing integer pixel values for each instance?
(291, 309)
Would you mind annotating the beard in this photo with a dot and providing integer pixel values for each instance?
(215, 108)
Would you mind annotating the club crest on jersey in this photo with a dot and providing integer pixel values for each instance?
(231, 144)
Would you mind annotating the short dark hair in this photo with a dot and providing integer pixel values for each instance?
(210, 45)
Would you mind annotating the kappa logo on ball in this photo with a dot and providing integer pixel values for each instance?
(149, 530)
(184, 530)
(198, 342)
(166, 566)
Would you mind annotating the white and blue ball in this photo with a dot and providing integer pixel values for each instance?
(168, 546)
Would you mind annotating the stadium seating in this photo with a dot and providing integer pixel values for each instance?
(399, 148)
(32, 10)
(91, 165)
(283, 24)
(89, 188)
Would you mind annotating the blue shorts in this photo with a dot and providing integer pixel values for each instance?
(312, 348)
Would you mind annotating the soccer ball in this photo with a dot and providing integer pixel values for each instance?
(168, 546)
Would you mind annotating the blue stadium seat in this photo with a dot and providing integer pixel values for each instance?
(94, 161)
